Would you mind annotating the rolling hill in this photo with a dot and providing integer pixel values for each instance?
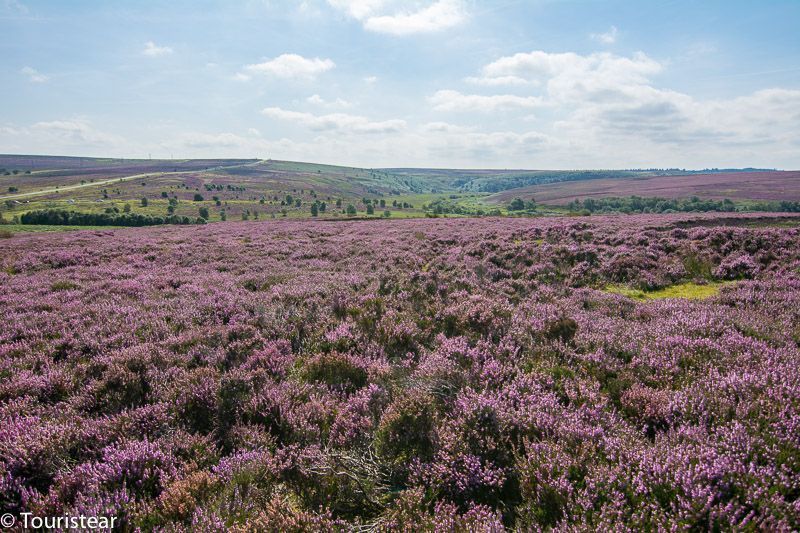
(252, 188)
(742, 186)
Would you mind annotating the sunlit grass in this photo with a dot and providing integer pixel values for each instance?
(689, 291)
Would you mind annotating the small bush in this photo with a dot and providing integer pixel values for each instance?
(563, 329)
(737, 267)
(406, 431)
(336, 371)
(63, 285)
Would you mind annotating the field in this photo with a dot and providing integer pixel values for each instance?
(249, 189)
(743, 186)
(448, 374)
(230, 189)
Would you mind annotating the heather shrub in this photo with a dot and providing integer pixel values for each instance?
(357, 419)
(281, 515)
(63, 285)
(562, 329)
(334, 370)
(178, 501)
(406, 432)
(196, 399)
(412, 511)
(737, 267)
(697, 266)
(436, 375)
(124, 384)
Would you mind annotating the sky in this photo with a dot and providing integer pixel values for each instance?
(537, 84)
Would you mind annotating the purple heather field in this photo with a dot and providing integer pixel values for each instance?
(413, 375)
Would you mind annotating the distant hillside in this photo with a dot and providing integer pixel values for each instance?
(218, 189)
(742, 185)
(492, 181)
(227, 188)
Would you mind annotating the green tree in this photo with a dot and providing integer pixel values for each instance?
(370, 209)
(517, 204)
(314, 209)
(126, 208)
(222, 216)
(203, 211)
(144, 202)
(198, 197)
(351, 210)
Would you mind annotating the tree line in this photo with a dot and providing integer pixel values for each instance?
(59, 217)
(637, 204)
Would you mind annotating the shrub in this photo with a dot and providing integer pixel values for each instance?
(63, 285)
(406, 431)
(517, 204)
(563, 329)
(196, 398)
(335, 371)
(737, 267)
(181, 497)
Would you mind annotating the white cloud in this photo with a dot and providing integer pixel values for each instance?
(599, 105)
(317, 100)
(14, 6)
(290, 66)
(449, 100)
(358, 9)
(445, 127)
(498, 80)
(153, 50)
(609, 37)
(568, 74)
(371, 79)
(67, 136)
(342, 122)
(392, 17)
(77, 132)
(34, 75)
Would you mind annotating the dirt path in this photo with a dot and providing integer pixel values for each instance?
(52, 190)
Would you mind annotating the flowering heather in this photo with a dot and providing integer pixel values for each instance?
(437, 375)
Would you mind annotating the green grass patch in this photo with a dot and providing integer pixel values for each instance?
(689, 291)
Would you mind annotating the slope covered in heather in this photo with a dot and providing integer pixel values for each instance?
(413, 374)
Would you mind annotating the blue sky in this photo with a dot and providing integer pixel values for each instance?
(447, 83)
